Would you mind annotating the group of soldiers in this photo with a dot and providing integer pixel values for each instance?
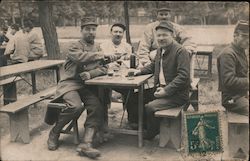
(164, 50)
(21, 45)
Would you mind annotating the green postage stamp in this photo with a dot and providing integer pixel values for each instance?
(203, 133)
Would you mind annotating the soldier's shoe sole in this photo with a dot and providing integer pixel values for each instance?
(92, 155)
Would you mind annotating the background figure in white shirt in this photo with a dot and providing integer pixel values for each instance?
(18, 47)
(116, 46)
(35, 42)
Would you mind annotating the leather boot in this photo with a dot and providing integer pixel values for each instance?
(86, 148)
(53, 140)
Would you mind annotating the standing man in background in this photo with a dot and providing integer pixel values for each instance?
(149, 42)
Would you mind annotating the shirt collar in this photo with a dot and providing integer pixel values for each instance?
(167, 49)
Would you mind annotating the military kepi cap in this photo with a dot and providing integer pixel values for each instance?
(163, 9)
(88, 21)
(165, 25)
(242, 27)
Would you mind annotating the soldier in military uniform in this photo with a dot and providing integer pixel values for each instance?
(149, 42)
(171, 69)
(84, 61)
(233, 70)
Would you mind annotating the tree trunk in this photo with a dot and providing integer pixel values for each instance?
(127, 21)
(12, 14)
(75, 21)
(204, 20)
(20, 12)
(48, 29)
(229, 20)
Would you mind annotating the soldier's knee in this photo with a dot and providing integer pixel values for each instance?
(76, 108)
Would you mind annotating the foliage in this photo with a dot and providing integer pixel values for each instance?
(69, 12)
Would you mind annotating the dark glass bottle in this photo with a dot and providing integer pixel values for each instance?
(133, 59)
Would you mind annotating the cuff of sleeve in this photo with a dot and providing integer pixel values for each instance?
(168, 90)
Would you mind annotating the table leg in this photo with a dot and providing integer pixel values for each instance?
(140, 130)
(33, 80)
(210, 58)
(105, 112)
(57, 74)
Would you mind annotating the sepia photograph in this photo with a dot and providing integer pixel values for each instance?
(127, 80)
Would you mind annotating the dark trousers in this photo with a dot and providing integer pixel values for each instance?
(153, 123)
(152, 104)
(88, 96)
(130, 101)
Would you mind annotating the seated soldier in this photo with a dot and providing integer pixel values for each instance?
(36, 47)
(116, 46)
(233, 70)
(84, 60)
(171, 69)
(18, 48)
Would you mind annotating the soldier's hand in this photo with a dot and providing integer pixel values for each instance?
(135, 71)
(112, 58)
(160, 92)
(113, 65)
(85, 76)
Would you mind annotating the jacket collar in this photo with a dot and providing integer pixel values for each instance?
(238, 49)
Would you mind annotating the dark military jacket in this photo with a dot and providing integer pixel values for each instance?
(233, 72)
(176, 70)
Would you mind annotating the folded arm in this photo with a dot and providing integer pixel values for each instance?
(77, 55)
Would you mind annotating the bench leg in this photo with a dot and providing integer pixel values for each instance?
(19, 126)
(176, 132)
(164, 132)
(170, 130)
(9, 92)
(210, 59)
(238, 139)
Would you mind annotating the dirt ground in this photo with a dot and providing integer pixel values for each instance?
(120, 147)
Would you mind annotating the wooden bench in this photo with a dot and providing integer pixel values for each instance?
(72, 127)
(238, 135)
(18, 114)
(170, 127)
(9, 89)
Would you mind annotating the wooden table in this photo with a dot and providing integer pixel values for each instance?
(123, 82)
(29, 67)
(206, 51)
